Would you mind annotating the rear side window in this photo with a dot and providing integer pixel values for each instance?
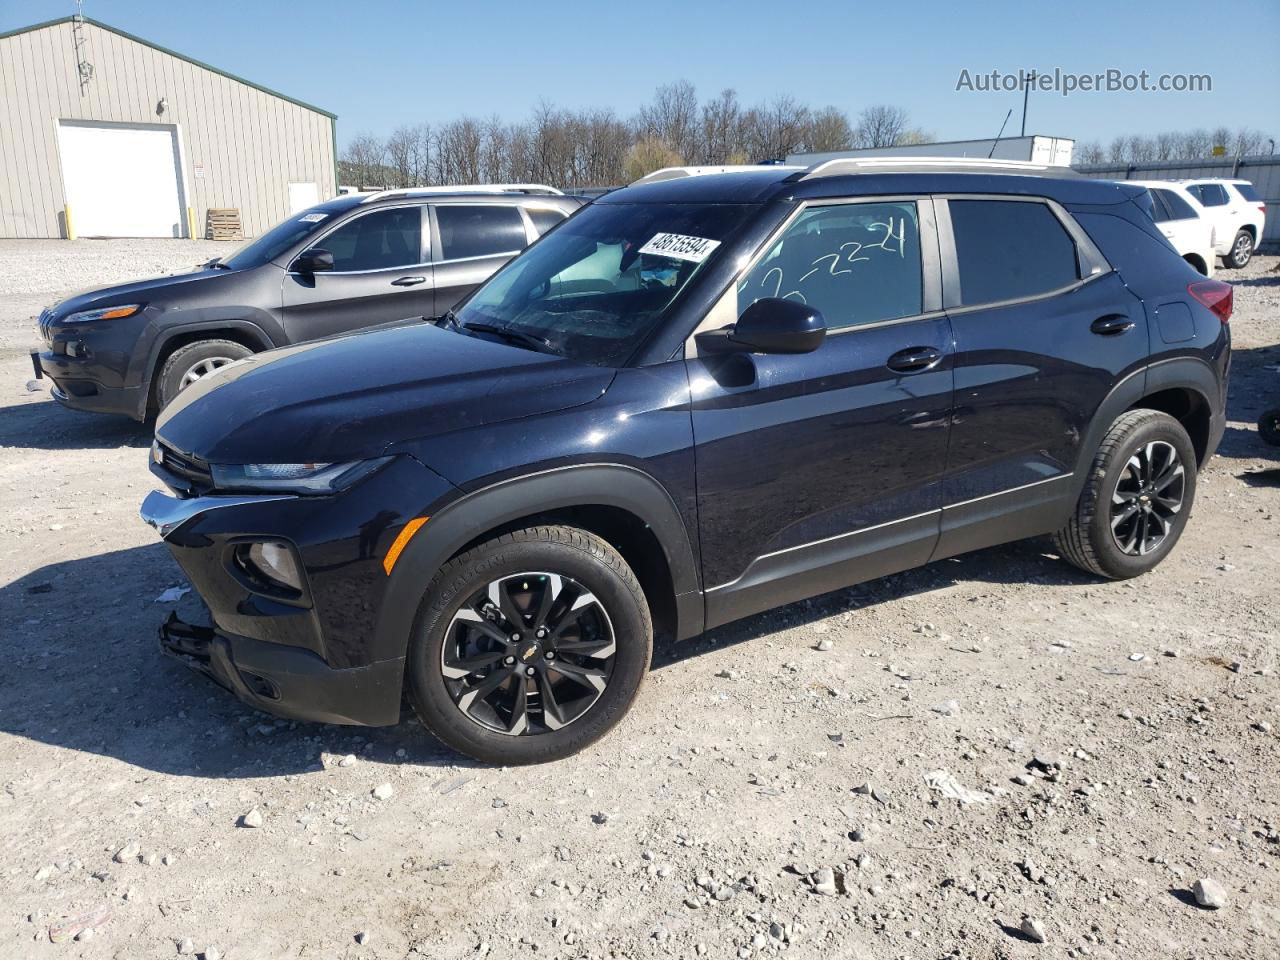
(543, 219)
(1247, 191)
(1010, 249)
(858, 263)
(377, 241)
(1179, 209)
(479, 231)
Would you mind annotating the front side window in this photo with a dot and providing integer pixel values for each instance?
(857, 263)
(1179, 209)
(479, 231)
(1010, 249)
(379, 240)
(601, 282)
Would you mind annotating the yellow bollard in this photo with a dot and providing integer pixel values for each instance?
(191, 223)
(66, 216)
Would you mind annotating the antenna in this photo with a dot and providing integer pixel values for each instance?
(83, 67)
(1000, 134)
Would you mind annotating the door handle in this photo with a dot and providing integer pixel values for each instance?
(1111, 325)
(914, 359)
(408, 281)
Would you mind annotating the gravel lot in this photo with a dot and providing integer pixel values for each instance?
(769, 795)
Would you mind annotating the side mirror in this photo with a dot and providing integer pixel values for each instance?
(770, 325)
(314, 260)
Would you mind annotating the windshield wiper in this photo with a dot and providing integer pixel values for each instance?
(516, 337)
(215, 264)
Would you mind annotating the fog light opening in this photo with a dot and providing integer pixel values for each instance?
(260, 686)
(271, 563)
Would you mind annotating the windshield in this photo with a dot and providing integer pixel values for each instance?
(599, 283)
(284, 235)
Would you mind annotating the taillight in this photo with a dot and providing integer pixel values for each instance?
(1262, 209)
(1215, 295)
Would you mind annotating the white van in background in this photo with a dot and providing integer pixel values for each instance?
(1237, 213)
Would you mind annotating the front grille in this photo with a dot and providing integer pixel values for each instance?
(181, 472)
(42, 325)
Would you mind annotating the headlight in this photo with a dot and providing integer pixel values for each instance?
(293, 477)
(106, 313)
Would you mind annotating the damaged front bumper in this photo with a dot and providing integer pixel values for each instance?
(287, 681)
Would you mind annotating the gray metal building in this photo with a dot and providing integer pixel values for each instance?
(105, 134)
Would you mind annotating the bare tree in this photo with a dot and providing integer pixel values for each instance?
(880, 126)
(1089, 152)
(720, 134)
(400, 150)
(365, 161)
(1118, 150)
(672, 117)
(828, 130)
(647, 155)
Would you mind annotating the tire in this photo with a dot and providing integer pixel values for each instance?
(1116, 486)
(1241, 250)
(582, 588)
(1269, 427)
(184, 365)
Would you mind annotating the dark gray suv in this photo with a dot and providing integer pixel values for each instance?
(361, 260)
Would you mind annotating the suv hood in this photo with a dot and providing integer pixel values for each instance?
(136, 290)
(350, 398)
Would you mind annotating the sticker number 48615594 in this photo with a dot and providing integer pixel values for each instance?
(693, 249)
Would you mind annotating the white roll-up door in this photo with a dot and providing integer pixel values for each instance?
(122, 179)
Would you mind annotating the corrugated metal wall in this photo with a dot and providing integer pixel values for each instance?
(241, 146)
(1262, 171)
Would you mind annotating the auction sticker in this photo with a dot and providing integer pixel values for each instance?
(677, 245)
(312, 218)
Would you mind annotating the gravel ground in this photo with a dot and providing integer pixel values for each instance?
(786, 785)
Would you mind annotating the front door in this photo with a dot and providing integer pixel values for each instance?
(1043, 331)
(823, 469)
(380, 275)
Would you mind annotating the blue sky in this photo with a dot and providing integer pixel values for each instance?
(380, 63)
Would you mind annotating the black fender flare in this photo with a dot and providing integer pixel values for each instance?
(1188, 373)
(166, 336)
(597, 484)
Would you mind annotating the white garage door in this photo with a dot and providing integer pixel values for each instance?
(121, 179)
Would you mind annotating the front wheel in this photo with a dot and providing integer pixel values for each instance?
(529, 647)
(1137, 499)
(192, 362)
(1241, 250)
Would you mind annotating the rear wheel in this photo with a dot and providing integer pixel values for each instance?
(1137, 499)
(529, 647)
(1241, 250)
(192, 362)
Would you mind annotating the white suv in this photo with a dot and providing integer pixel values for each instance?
(1237, 214)
(1183, 223)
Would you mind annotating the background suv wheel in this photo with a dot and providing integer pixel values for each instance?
(1137, 499)
(189, 363)
(1241, 250)
(530, 646)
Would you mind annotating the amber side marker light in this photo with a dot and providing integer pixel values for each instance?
(401, 541)
(118, 312)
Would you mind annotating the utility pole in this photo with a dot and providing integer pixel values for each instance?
(1026, 92)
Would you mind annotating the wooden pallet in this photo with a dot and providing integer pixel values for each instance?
(223, 223)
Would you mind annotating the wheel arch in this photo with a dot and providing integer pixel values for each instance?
(243, 332)
(1197, 262)
(623, 505)
(1180, 386)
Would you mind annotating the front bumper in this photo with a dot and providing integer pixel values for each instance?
(80, 385)
(318, 653)
(287, 681)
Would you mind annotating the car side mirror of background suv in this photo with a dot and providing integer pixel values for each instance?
(770, 325)
(314, 260)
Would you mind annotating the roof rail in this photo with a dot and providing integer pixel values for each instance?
(843, 166)
(538, 188)
(674, 173)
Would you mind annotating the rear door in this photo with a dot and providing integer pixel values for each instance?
(471, 241)
(380, 275)
(1043, 330)
(819, 470)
